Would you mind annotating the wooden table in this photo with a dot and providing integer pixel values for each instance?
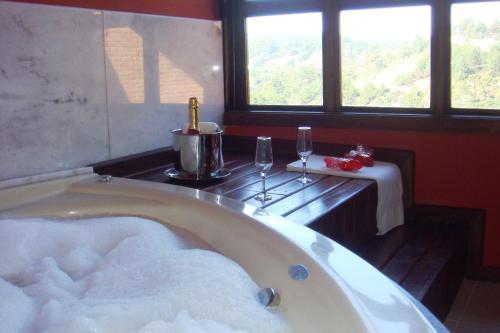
(341, 208)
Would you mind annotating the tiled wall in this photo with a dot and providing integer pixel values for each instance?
(79, 86)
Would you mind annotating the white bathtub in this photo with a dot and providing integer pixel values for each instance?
(342, 293)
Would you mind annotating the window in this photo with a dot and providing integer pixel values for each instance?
(475, 55)
(386, 64)
(284, 55)
(385, 57)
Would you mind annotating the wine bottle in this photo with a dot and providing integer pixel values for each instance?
(193, 127)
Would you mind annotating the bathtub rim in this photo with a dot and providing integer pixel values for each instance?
(90, 184)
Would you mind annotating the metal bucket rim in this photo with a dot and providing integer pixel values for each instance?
(178, 131)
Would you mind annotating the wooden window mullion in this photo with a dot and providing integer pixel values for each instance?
(440, 56)
(331, 57)
(241, 62)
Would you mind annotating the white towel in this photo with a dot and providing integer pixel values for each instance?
(390, 212)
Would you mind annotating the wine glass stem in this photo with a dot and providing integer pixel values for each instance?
(263, 175)
(304, 168)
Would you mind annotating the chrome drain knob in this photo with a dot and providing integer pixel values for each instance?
(106, 179)
(298, 272)
(269, 297)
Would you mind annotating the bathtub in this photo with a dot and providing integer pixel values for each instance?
(323, 287)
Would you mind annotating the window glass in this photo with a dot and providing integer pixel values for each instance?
(285, 59)
(385, 57)
(475, 55)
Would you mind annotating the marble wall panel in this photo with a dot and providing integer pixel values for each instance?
(153, 65)
(52, 89)
(79, 86)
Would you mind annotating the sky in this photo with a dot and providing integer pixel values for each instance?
(483, 11)
(398, 23)
(386, 23)
(300, 24)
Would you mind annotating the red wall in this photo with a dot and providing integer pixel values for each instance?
(452, 169)
(204, 9)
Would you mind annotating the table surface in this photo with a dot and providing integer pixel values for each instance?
(290, 198)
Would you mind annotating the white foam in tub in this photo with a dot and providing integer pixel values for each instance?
(121, 274)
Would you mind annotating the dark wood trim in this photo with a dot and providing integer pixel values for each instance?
(376, 121)
(474, 112)
(473, 220)
(368, 4)
(129, 165)
(273, 7)
(286, 108)
(385, 110)
(331, 60)
(448, 110)
(228, 49)
(241, 59)
(489, 273)
(468, 1)
(235, 59)
(440, 56)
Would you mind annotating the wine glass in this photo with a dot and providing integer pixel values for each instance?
(304, 149)
(263, 161)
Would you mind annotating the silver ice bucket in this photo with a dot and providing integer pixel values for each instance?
(198, 156)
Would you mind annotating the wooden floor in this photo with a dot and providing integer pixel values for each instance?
(476, 308)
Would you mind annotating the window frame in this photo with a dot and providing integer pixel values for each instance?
(255, 12)
(439, 116)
